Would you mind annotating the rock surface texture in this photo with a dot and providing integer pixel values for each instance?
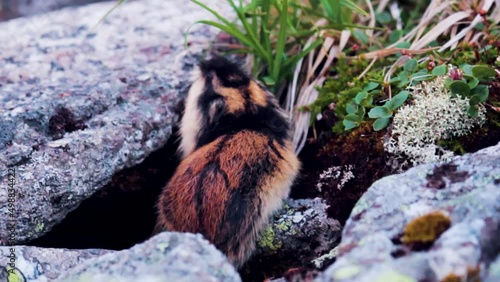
(301, 231)
(165, 257)
(379, 245)
(40, 264)
(79, 104)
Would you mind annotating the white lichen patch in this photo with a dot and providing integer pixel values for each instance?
(341, 173)
(433, 115)
(318, 262)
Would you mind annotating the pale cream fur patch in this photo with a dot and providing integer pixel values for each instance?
(191, 119)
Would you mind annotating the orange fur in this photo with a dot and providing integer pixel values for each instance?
(228, 186)
(257, 95)
(234, 100)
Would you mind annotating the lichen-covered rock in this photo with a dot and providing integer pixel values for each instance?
(79, 104)
(301, 231)
(465, 190)
(168, 256)
(40, 264)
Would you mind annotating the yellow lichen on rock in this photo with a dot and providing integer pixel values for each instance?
(426, 228)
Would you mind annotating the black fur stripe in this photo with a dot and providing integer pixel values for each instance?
(244, 206)
(229, 73)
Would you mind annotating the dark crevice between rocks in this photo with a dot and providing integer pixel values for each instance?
(122, 213)
(62, 121)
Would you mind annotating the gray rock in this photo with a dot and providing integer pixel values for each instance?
(287, 240)
(493, 271)
(165, 257)
(21, 8)
(300, 232)
(41, 264)
(111, 93)
(466, 189)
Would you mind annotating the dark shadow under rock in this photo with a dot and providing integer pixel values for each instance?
(122, 213)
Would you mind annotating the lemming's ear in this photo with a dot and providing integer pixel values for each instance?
(216, 111)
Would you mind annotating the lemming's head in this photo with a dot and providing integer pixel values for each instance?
(223, 99)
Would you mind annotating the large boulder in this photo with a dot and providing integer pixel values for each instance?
(168, 256)
(40, 264)
(435, 222)
(80, 102)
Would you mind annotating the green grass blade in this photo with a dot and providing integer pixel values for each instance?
(229, 30)
(107, 14)
(338, 11)
(330, 12)
(280, 44)
(264, 21)
(253, 36)
(213, 12)
(352, 6)
(315, 44)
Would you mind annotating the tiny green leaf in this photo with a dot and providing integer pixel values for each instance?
(474, 100)
(367, 102)
(403, 45)
(383, 17)
(379, 112)
(473, 111)
(361, 112)
(440, 70)
(397, 100)
(404, 82)
(459, 87)
(352, 117)
(370, 86)
(467, 69)
(351, 108)
(473, 82)
(481, 91)
(447, 82)
(410, 65)
(380, 123)
(361, 36)
(360, 97)
(269, 81)
(395, 36)
(348, 125)
(483, 72)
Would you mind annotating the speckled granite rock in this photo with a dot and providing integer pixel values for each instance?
(165, 257)
(40, 264)
(300, 232)
(79, 105)
(23, 8)
(467, 190)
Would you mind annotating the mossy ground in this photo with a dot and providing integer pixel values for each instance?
(362, 149)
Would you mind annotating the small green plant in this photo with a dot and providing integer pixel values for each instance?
(383, 114)
(465, 82)
(273, 30)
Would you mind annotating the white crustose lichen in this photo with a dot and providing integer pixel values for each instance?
(433, 115)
